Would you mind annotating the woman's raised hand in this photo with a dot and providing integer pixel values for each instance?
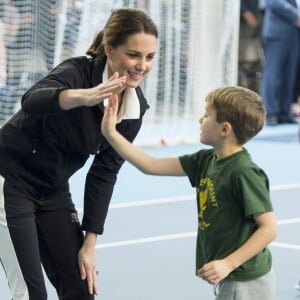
(97, 94)
(72, 98)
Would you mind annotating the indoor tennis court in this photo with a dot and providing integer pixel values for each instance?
(147, 250)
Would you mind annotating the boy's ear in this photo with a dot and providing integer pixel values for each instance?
(226, 129)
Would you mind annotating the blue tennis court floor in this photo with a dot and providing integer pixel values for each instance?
(147, 250)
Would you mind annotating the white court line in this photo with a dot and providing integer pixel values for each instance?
(184, 235)
(286, 246)
(288, 221)
(285, 187)
(153, 201)
(148, 202)
(158, 238)
(182, 198)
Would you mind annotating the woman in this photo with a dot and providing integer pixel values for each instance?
(49, 139)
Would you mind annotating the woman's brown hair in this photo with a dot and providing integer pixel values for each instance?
(122, 23)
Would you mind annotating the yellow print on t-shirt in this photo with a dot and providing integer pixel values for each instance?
(205, 191)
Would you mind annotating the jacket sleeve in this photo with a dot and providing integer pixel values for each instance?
(101, 180)
(42, 98)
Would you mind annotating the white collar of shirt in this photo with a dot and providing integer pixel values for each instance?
(130, 108)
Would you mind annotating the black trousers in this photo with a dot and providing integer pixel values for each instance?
(41, 230)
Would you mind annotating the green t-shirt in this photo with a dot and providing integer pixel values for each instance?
(229, 192)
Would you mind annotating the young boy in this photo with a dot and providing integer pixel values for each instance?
(236, 221)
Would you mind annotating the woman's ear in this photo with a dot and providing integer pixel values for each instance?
(107, 50)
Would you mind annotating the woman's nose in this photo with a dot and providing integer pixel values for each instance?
(141, 66)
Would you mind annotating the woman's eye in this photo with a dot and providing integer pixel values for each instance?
(132, 54)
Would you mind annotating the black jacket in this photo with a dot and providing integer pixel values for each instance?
(42, 146)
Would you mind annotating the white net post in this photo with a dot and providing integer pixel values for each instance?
(214, 47)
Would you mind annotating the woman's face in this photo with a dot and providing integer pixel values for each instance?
(134, 59)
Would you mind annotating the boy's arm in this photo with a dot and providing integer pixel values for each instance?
(217, 270)
(144, 162)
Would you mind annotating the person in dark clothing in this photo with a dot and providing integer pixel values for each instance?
(49, 139)
(250, 46)
(280, 34)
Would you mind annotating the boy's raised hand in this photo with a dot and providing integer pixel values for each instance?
(108, 124)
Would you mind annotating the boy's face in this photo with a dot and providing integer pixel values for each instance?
(210, 129)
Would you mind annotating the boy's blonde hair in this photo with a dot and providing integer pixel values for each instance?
(241, 107)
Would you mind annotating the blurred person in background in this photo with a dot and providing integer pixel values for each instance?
(9, 27)
(296, 105)
(280, 35)
(3, 71)
(250, 45)
(13, 21)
